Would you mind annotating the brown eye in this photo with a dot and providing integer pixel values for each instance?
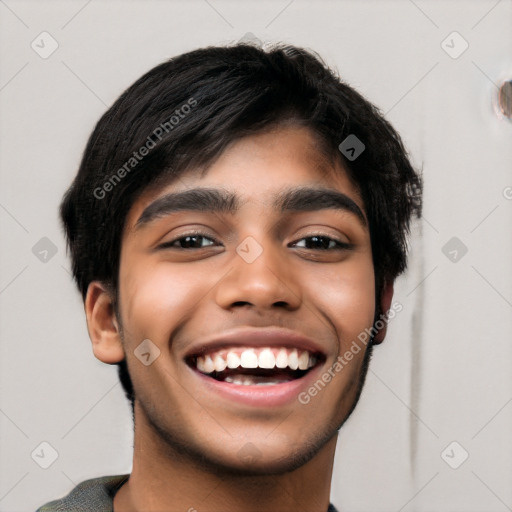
(323, 243)
(190, 241)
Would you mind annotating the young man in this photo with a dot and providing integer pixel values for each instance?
(236, 226)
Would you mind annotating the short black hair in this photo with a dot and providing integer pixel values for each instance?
(183, 113)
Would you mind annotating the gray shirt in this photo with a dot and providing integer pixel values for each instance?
(95, 495)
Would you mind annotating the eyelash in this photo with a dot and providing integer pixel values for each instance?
(339, 245)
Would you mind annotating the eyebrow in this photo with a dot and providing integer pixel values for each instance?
(296, 199)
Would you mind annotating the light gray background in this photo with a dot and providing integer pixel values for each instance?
(444, 372)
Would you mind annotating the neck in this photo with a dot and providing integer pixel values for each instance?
(163, 479)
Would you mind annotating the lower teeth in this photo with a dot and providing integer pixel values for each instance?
(250, 380)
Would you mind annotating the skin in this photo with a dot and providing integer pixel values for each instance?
(187, 440)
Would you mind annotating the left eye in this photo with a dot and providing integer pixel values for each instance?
(323, 243)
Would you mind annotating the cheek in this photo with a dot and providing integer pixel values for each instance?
(156, 298)
(346, 295)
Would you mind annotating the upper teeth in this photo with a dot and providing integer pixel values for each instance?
(255, 358)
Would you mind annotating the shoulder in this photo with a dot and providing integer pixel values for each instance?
(91, 495)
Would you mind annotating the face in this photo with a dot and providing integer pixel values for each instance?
(247, 303)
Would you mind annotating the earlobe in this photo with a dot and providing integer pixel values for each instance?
(385, 304)
(102, 324)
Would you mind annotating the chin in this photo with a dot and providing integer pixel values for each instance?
(270, 460)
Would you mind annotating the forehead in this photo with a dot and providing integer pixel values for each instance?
(258, 168)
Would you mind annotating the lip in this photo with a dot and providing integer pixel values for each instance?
(275, 395)
(256, 338)
(257, 395)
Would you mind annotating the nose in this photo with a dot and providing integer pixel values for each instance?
(260, 277)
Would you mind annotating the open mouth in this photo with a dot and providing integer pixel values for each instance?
(262, 366)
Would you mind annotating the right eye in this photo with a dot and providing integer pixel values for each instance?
(188, 241)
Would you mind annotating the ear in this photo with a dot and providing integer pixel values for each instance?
(102, 324)
(385, 303)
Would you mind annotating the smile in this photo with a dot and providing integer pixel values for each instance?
(256, 366)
